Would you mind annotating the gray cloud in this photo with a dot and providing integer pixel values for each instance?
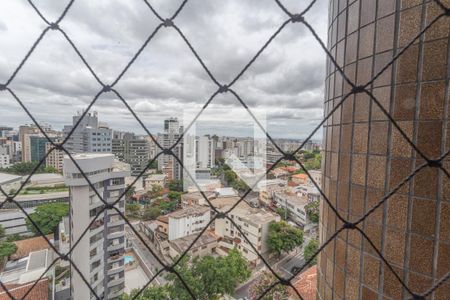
(285, 82)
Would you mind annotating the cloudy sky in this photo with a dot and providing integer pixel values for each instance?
(284, 85)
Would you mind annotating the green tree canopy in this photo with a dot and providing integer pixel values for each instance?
(172, 195)
(312, 210)
(151, 213)
(2, 231)
(279, 292)
(25, 168)
(209, 277)
(284, 237)
(132, 209)
(150, 293)
(6, 249)
(47, 217)
(310, 250)
(175, 185)
(283, 212)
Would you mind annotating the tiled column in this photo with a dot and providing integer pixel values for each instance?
(366, 157)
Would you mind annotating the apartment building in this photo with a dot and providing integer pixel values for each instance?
(33, 141)
(254, 223)
(90, 136)
(266, 189)
(55, 159)
(155, 179)
(132, 149)
(187, 221)
(295, 206)
(99, 254)
(167, 163)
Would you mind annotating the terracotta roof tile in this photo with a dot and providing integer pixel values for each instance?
(306, 284)
(39, 291)
(24, 247)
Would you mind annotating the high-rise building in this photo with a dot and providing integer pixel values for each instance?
(366, 157)
(167, 163)
(205, 152)
(55, 158)
(134, 150)
(100, 253)
(33, 141)
(38, 146)
(90, 136)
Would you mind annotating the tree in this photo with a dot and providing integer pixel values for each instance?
(283, 212)
(312, 210)
(174, 195)
(151, 213)
(130, 193)
(175, 185)
(47, 217)
(25, 168)
(283, 237)
(132, 209)
(262, 282)
(310, 250)
(6, 249)
(230, 176)
(168, 206)
(209, 277)
(155, 192)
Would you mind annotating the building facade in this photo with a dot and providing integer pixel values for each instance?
(90, 136)
(100, 253)
(294, 205)
(187, 221)
(167, 163)
(366, 157)
(133, 150)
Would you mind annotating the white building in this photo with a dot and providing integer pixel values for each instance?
(167, 163)
(317, 176)
(205, 147)
(266, 189)
(254, 223)
(294, 204)
(99, 254)
(4, 161)
(187, 221)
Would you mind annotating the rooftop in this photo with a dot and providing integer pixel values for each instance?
(157, 177)
(39, 292)
(306, 284)
(252, 215)
(226, 192)
(181, 244)
(188, 211)
(293, 199)
(25, 247)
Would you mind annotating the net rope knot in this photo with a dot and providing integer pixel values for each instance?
(54, 26)
(109, 206)
(223, 89)
(168, 23)
(106, 89)
(221, 215)
(9, 199)
(358, 89)
(167, 152)
(169, 269)
(418, 297)
(284, 281)
(2, 87)
(433, 163)
(297, 18)
(289, 156)
(349, 225)
(65, 257)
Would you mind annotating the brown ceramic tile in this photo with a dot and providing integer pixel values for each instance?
(443, 265)
(405, 102)
(342, 20)
(399, 146)
(378, 138)
(423, 217)
(346, 138)
(394, 247)
(421, 255)
(369, 294)
(377, 171)
(442, 292)
(335, 139)
(351, 48)
(392, 287)
(445, 222)
(339, 281)
(409, 3)
(426, 183)
(373, 232)
(347, 110)
(334, 166)
(358, 169)
(364, 70)
(383, 95)
(407, 65)
(385, 7)
(357, 201)
(360, 136)
(366, 40)
(400, 170)
(385, 34)
(435, 60)
(371, 271)
(439, 29)
(429, 138)
(397, 214)
(353, 262)
(353, 17)
(368, 8)
(432, 100)
(354, 238)
(419, 283)
(381, 61)
(373, 197)
(351, 289)
(410, 20)
(329, 273)
(362, 102)
(344, 168)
